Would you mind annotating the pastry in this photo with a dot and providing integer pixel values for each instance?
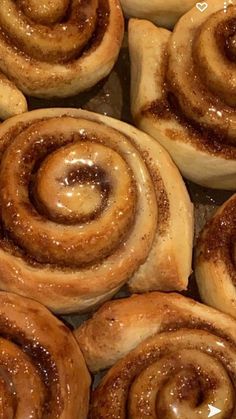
(12, 101)
(162, 12)
(43, 373)
(184, 92)
(176, 359)
(59, 48)
(215, 264)
(88, 203)
(121, 325)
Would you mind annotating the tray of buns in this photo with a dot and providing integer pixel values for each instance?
(118, 209)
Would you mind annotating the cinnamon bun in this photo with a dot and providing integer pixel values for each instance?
(215, 264)
(176, 359)
(87, 204)
(43, 373)
(59, 48)
(184, 91)
(161, 12)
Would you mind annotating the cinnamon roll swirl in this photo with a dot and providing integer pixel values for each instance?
(43, 373)
(215, 264)
(183, 91)
(88, 203)
(59, 48)
(176, 360)
(161, 12)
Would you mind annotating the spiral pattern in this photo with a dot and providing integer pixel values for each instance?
(43, 373)
(215, 264)
(87, 203)
(178, 359)
(189, 103)
(59, 48)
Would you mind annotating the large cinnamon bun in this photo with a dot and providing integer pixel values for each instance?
(215, 264)
(87, 204)
(184, 91)
(161, 12)
(59, 48)
(43, 373)
(176, 359)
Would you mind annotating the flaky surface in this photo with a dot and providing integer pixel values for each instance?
(216, 259)
(89, 203)
(183, 91)
(43, 373)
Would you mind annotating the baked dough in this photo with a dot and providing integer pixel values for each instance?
(59, 48)
(216, 259)
(121, 325)
(12, 101)
(183, 91)
(43, 373)
(176, 359)
(88, 203)
(162, 12)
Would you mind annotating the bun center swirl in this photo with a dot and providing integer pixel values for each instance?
(182, 367)
(86, 190)
(52, 31)
(185, 382)
(86, 204)
(201, 71)
(179, 374)
(59, 48)
(215, 54)
(79, 187)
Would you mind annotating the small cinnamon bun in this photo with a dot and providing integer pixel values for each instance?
(59, 48)
(184, 91)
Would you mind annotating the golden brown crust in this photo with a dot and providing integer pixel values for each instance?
(188, 102)
(199, 136)
(59, 49)
(215, 262)
(132, 320)
(89, 203)
(43, 371)
(177, 357)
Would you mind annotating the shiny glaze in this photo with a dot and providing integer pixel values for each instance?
(174, 375)
(80, 194)
(196, 83)
(54, 49)
(183, 364)
(63, 41)
(198, 75)
(81, 242)
(122, 219)
(40, 364)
